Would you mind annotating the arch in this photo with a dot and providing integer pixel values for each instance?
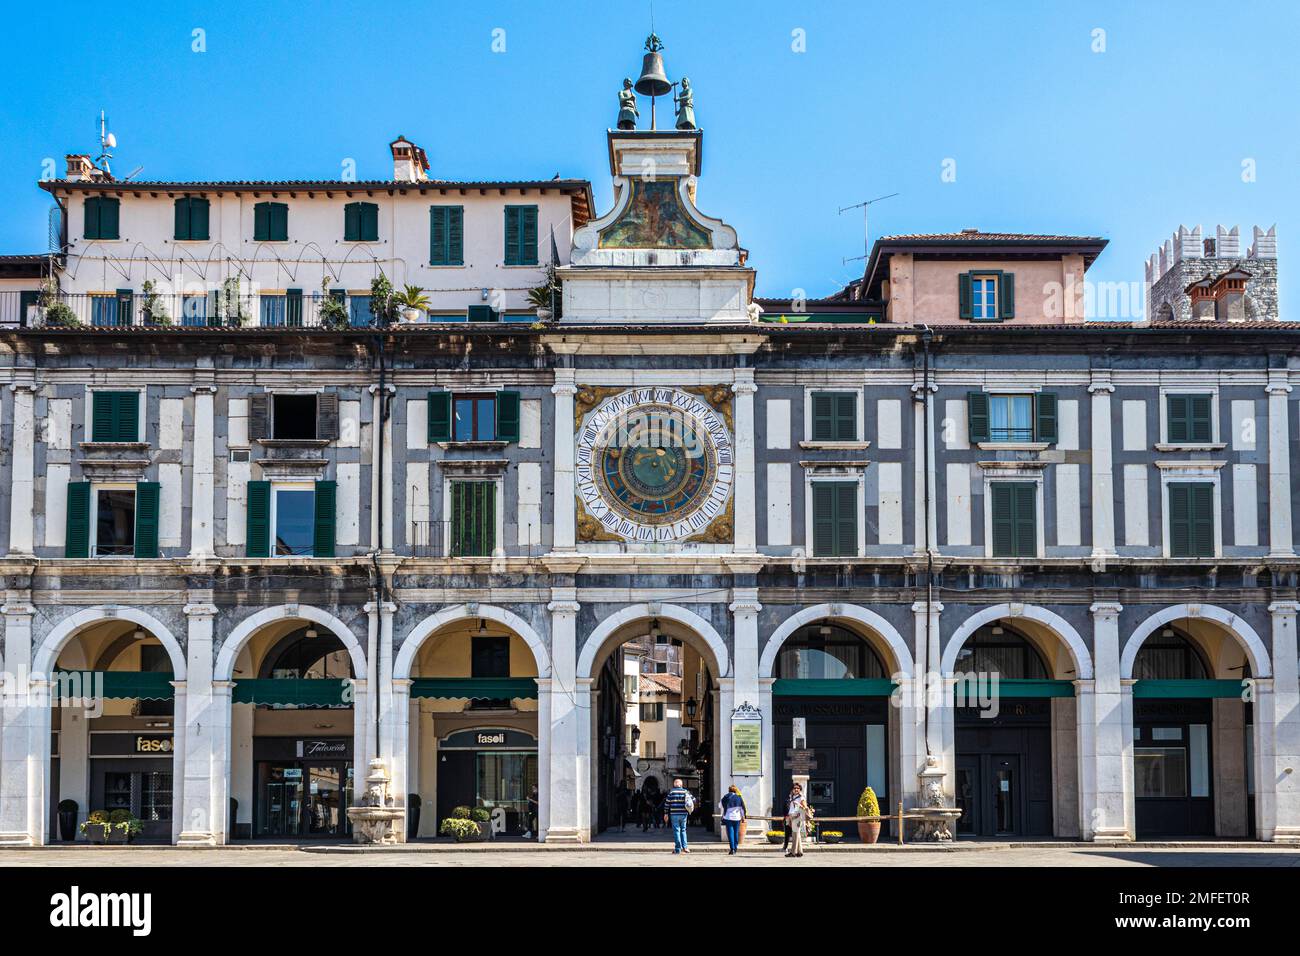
(1052, 621)
(236, 639)
(405, 659)
(48, 654)
(845, 612)
(669, 612)
(1259, 661)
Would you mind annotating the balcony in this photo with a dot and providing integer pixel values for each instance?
(444, 539)
(181, 311)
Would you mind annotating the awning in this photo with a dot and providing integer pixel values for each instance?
(114, 685)
(475, 688)
(1020, 688)
(1188, 689)
(297, 691)
(817, 687)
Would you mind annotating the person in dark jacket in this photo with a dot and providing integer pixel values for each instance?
(622, 805)
(678, 804)
(733, 810)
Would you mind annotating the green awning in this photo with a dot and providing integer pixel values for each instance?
(1188, 689)
(302, 692)
(816, 687)
(1024, 688)
(116, 685)
(475, 688)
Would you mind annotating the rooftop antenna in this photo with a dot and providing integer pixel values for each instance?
(107, 143)
(866, 233)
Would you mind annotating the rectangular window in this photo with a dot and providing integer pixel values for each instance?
(114, 416)
(294, 515)
(489, 416)
(1191, 519)
(482, 313)
(1014, 507)
(521, 235)
(649, 749)
(191, 218)
(446, 235)
(834, 416)
(194, 310)
(359, 314)
(992, 417)
(490, 657)
(293, 417)
(361, 222)
(271, 222)
(475, 418)
(273, 310)
(652, 713)
(984, 298)
(1160, 771)
(835, 519)
(473, 518)
(1011, 418)
(101, 217)
(1189, 419)
(629, 686)
(114, 522)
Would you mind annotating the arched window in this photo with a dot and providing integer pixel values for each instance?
(1169, 655)
(997, 649)
(308, 653)
(827, 652)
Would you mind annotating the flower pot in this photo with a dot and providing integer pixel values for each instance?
(868, 832)
(832, 837)
(411, 315)
(776, 839)
(545, 315)
(67, 825)
(744, 828)
(97, 832)
(485, 830)
(118, 835)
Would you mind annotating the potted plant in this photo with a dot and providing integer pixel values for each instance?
(462, 831)
(412, 301)
(68, 820)
(775, 836)
(230, 303)
(483, 819)
(123, 826)
(152, 310)
(333, 312)
(830, 836)
(546, 297)
(383, 301)
(868, 806)
(412, 816)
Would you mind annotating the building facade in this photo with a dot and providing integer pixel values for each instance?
(934, 531)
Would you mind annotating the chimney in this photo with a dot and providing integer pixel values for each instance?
(80, 168)
(410, 164)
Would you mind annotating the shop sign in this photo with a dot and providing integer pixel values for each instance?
(322, 748)
(746, 740)
(153, 745)
(489, 738)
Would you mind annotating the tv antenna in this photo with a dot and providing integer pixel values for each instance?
(866, 233)
(107, 143)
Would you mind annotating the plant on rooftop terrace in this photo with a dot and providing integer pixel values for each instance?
(547, 297)
(231, 304)
(152, 309)
(383, 302)
(412, 301)
(333, 313)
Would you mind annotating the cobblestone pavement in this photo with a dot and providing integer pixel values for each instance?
(1045, 855)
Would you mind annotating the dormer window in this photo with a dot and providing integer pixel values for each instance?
(987, 296)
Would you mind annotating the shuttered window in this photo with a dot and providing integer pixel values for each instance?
(77, 541)
(474, 417)
(191, 218)
(101, 217)
(1191, 519)
(521, 235)
(1189, 418)
(834, 416)
(271, 222)
(1011, 418)
(114, 416)
(446, 235)
(439, 417)
(835, 519)
(146, 519)
(507, 416)
(361, 222)
(326, 519)
(1014, 507)
(473, 518)
(259, 519)
(987, 296)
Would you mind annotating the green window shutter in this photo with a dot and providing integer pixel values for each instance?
(1025, 503)
(181, 211)
(846, 416)
(1002, 518)
(439, 416)
(262, 222)
(199, 209)
(352, 222)
(1180, 520)
(846, 519)
(1200, 420)
(438, 252)
(835, 519)
(473, 518)
(326, 518)
(1007, 295)
(77, 540)
(369, 222)
(103, 416)
(456, 236)
(507, 416)
(1201, 496)
(108, 219)
(90, 217)
(293, 307)
(327, 416)
(1176, 422)
(1045, 407)
(823, 519)
(259, 519)
(146, 519)
(965, 309)
(529, 238)
(513, 237)
(977, 416)
(128, 416)
(823, 416)
(279, 222)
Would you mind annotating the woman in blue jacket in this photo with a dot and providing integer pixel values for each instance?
(733, 813)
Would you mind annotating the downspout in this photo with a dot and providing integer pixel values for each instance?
(926, 336)
(380, 584)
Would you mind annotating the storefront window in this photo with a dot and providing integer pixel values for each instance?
(1168, 655)
(827, 652)
(1160, 771)
(996, 649)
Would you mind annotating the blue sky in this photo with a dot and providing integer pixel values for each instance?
(1046, 134)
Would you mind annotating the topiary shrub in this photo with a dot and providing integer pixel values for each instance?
(868, 805)
(462, 830)
(480, 815)
(460, 813)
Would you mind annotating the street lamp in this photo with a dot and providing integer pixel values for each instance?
(691, 708)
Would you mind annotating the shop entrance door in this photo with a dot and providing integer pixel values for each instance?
(303, 799)
(989, 794)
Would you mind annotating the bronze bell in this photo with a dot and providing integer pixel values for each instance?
(653, 80)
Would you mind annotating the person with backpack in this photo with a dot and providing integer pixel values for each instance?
(678, 806)
(732, 806)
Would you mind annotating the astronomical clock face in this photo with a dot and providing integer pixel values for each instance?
(654, 464)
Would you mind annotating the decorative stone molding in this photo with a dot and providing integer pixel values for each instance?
(1105, 609)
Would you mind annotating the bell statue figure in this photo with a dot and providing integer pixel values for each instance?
(627, 111)
(686, 106)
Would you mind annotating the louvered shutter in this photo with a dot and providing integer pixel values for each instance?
(1045, 407)
(326, 519)
(439, 417)
(77, 540)
(965, 310)
(1007, 295)
(327, 416)
(977, 416)
(259, 519)
(508, 420)
(146, 519)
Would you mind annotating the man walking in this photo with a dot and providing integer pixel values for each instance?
(678, 805)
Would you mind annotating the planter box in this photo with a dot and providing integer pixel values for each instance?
(106, 833)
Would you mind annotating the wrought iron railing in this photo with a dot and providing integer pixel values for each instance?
(135, 309)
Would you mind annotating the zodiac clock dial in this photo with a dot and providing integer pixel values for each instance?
(654, 464)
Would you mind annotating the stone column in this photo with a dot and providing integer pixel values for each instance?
(179, 741)
(390, 477)
(746, 516)
(203, 735)
(23, 768)
(767, 787)
(222, 711)
(938, 734)
(563, 520)
(925, 520)
(1103, 477)
(363, 737)
(401, 762)
(23, 481)
(1105, 721)
(744, 691)
(392, 716)
(74, 761)
(1277, 814)
(567, 818)
(1280, 543)
(202, 485)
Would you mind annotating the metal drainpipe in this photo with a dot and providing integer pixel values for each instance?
(926, 336)
(381, 587)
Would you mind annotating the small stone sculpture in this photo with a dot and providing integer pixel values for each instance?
(627, 111)
(686, 106)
